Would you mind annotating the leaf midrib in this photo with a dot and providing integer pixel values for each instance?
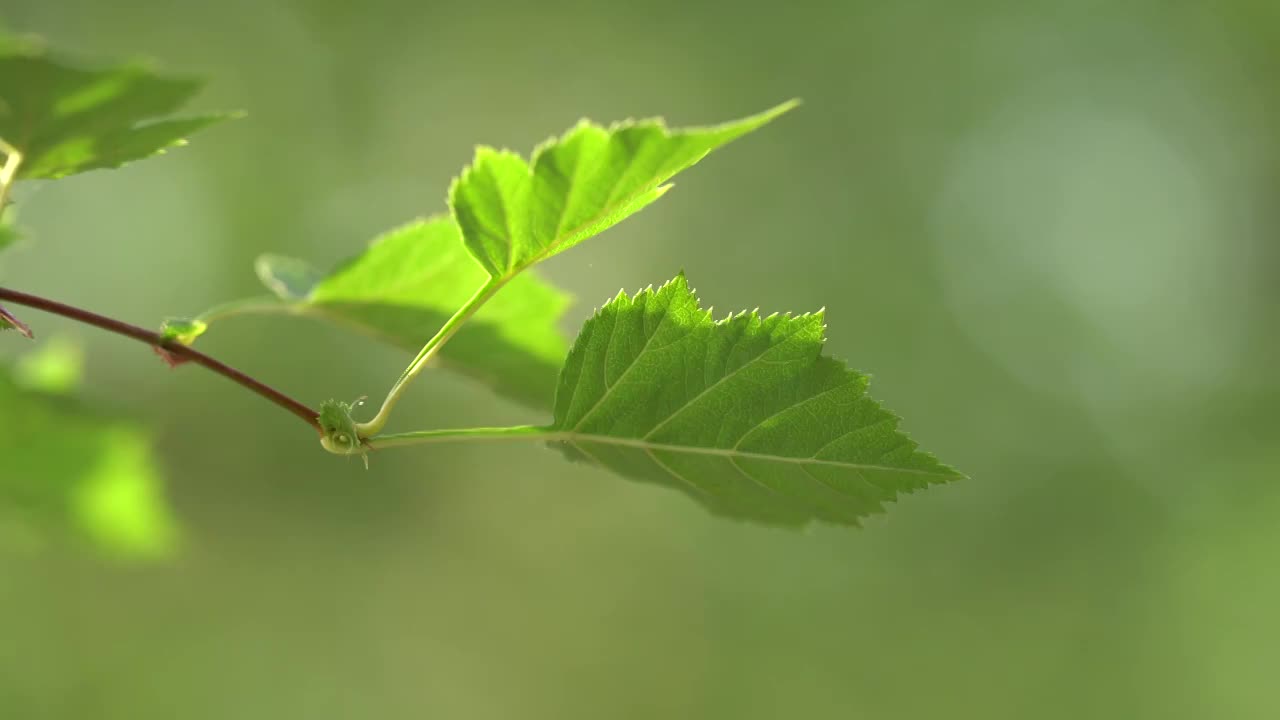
(732, 454)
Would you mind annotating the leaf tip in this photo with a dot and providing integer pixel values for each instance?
(787, 106)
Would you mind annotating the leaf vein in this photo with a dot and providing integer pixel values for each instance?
(729, 452)
(666, 312)
(672, 472)
(675, 413)
(789, 408)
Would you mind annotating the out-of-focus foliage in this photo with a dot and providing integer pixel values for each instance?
(66, 119)
(55, 367)
(66, 470)
(8, 231)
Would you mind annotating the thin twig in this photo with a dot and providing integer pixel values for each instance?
(172, 347)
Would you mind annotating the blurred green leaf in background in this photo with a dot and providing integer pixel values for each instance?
(66, 470)
(66, 120)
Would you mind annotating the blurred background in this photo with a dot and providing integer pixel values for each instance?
(1047, 229)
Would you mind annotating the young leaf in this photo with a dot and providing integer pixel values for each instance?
(744, 414)
(407, 283)
(65, 120)
(65, 471)
(179, 330)
(514, 214)
(182, 330)
(338, 430)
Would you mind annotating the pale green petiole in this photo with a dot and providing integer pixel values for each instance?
(265, 304)
(423, 437)
(455, 323)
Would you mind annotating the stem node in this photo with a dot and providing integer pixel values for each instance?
(369, 429)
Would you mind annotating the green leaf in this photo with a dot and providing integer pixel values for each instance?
(65, 119)
(66, 471)
(514, 215)
(407, 283)
(744, 414)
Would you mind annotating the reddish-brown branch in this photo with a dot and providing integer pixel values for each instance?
(171, 347)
